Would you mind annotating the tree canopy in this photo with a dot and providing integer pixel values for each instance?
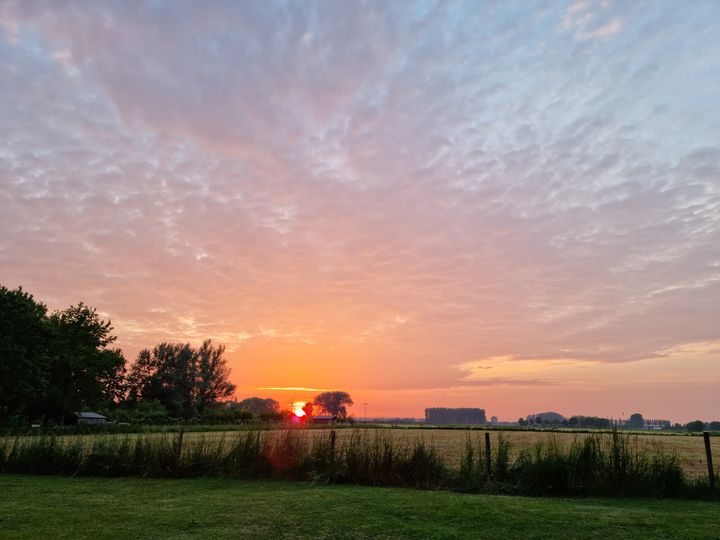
(53, 365)
(183, 379)
(85, 371)
(24, 351)
(334, 403)
(695, 425)
(258, 405)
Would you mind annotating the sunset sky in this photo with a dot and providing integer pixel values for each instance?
(507, 205)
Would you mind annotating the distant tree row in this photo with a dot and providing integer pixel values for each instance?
(55, 364)
(699, 425)
(635, 421)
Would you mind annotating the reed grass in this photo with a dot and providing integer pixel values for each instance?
(608, 464)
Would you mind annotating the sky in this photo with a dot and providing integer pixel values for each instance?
(506, 205)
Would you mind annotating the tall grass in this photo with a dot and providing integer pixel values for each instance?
(611, 464)
(601, 464)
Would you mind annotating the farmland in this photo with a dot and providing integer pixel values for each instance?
(61, 507)
(451, 443)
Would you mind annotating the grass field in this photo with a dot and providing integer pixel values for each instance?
(61, 507)
(450, 443)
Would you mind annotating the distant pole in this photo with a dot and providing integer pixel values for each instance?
(365, 404)
(708, 453)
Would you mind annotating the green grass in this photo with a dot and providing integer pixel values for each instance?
(136, 508)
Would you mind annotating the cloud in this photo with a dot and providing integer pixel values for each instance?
(504, 368)
(379, 194)
(693, 350)
(588, 20)
(293, 388)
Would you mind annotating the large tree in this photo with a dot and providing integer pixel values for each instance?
(165, 374)
(25, 338)
(85, 371)
(212, 376)
(258, 405)
(183, 379)
(636, 421)
(334, 403)
(695, 425)
(51, 366)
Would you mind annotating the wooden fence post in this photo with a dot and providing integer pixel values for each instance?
(487, 456)
(708, 453)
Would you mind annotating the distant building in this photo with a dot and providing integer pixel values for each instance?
(323, 419)
(445, 415)
(89, 418)
(657, 424)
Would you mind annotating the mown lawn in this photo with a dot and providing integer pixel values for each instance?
(61, 507)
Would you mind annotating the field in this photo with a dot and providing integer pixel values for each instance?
(62, 507)
(451, 443)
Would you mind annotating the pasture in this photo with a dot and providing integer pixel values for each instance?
(451, 443)
(136, 508)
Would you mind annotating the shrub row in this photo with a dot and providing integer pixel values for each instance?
(611, 464)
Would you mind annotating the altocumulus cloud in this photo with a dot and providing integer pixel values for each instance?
(420, 185)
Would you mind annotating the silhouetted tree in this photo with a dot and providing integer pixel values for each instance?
(53, 365)
(334, 403)
(25, 341)
(183, 379)
(589, 422)
(258, 406)
(308, 409)
(636, 421)
(85, 371)
(165, 374)
(695, 425)
(212, 376)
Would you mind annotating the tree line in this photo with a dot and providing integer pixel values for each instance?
(635, 421)
(55, 364)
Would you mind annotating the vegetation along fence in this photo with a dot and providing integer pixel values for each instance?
(607, 464)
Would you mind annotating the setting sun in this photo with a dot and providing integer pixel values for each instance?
(297, 408)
